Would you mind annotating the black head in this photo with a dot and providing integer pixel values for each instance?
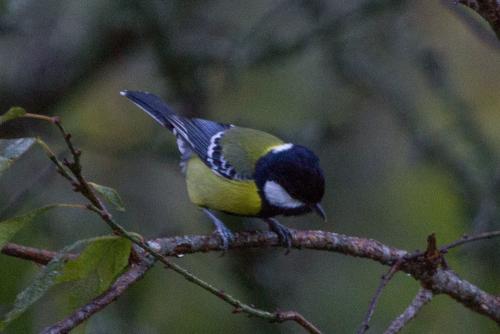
(290, 180)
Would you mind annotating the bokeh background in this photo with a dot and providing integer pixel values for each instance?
(400, 100)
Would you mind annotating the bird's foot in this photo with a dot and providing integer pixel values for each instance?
(225, 235)
(221, 230)
(283, 232)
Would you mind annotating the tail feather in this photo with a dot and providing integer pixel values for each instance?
(193, 134)
(153, 106)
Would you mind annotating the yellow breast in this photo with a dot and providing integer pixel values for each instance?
(209, 190)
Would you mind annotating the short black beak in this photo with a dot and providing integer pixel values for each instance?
(319, 210)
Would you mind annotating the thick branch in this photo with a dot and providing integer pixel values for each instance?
(423, 297)
(318, 240)
(440, 281)
(37, 255)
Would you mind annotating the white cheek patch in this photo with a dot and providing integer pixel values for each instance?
(282, 147)
(278, 196)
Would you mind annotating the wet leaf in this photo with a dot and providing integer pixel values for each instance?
(110, 194)
(105, 258)
(45, 279)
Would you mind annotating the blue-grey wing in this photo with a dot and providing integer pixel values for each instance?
(202, 136)
(193, 134)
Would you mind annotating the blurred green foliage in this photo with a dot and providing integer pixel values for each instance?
(396, 131)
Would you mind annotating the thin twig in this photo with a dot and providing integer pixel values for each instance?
(423, 297)
(469, 238)
(432, 258)
(77, 180)
(40, 117)
(59, 166)
(298, 318)
(373, 303)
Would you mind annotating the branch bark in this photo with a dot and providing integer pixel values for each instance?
(423, 297)
(437, 280)
(37, 255)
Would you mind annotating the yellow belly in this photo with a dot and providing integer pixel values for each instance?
(209, 190)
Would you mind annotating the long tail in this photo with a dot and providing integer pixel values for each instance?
(153, 106)
(192, 133)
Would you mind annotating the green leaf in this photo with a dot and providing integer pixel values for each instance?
(110, 194)
(106, 258)
(42, 282)
(11, 149)
(9, 227)
(13, 113)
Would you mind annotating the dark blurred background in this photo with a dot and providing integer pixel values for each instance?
(400, 100)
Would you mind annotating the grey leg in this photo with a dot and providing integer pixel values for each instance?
(224, 233)
(284, 234)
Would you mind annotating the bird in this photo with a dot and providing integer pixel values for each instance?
(240, 171)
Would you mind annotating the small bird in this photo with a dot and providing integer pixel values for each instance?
(240, 171)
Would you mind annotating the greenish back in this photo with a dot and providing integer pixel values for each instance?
(242, 147)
